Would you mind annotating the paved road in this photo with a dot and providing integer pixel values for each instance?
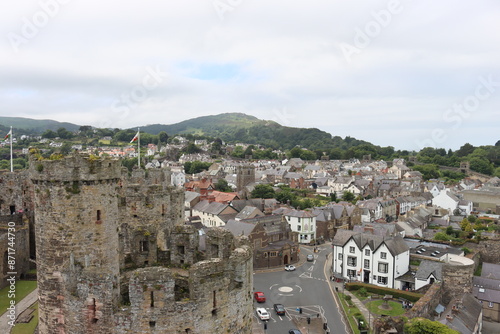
(306, 288)
(20, 307)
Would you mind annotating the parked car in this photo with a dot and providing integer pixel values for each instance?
(259, 297)
(310, 258)
(280, 309)
(262, 313)
(289, 267)
(294, 331)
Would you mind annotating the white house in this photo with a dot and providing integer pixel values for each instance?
(428, 272)
(451, 202)
(210, 212)
(370, 258)
(303, 222)
(178, 179)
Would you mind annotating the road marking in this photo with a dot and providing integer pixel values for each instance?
(306, 275)
(311, 268)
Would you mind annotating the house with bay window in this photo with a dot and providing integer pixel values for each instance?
(370, 258)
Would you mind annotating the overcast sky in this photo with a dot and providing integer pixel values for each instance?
(408, 74)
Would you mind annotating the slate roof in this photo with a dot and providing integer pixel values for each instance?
(428, 268)
(486, 289)
(294, 213)
(210, 207)
(468, 315)
(491, 270)
(190, 195)
(248, 211)
(396, 245)
(239, 227)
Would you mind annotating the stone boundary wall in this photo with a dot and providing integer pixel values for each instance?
(425, 306)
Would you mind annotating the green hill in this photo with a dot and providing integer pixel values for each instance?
(238, 127)
(34, 126)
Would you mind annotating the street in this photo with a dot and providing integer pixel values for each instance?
(305, 292)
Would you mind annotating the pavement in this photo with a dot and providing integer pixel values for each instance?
(338, 287)
(22, 305)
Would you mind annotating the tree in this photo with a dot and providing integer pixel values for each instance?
(442, 236)
(49, 134)
(191, 148)
(348, 196)
(426, 326)
(163, 137)
(263, 191)
(481, 165)
(222, 185)
(465, 150)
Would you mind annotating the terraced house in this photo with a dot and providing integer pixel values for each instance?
(370, 258)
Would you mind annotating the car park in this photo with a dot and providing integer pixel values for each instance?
(280, 309)
(310, 258)
(289, 267)
(259, 297)
(262, 313)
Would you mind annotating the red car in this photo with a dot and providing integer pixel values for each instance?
(259, 297)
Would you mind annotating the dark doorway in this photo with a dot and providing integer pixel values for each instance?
(12, 209)
(366, 277)
(285, 259)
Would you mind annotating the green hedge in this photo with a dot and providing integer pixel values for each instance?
(410, 296)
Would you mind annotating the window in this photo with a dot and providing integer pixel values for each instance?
(383, 255)
(351, 249)
(367, 252)
(490, 304)
(340, 256)
(383, 267)
(298, 228)
(273, 253)
(351, 261)
(351, 273)
(144, 246)
(382, 280)
(367, 264)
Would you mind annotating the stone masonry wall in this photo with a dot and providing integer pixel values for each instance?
(426, 305)
(96, 224)
(14, 246)
(457, 280)
(76, 230)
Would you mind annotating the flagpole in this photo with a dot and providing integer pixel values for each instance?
(11, 161)
(139, 147)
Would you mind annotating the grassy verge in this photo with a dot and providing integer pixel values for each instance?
(28, 328)
(396, 310)
(352, 312)
(23, 288)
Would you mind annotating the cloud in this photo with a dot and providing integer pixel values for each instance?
(260, 59)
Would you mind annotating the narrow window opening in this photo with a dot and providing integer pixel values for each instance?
(144, 245)
(152, 324)
(163, 209)
(98, 215)
(152, 304)
(12, 209)
(93, 309)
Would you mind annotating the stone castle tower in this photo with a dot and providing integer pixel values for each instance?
(113, 255)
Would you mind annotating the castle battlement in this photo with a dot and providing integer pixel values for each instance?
(78, 167)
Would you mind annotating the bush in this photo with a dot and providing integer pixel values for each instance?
(362, 292)
(466, 250)
(411, 296)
